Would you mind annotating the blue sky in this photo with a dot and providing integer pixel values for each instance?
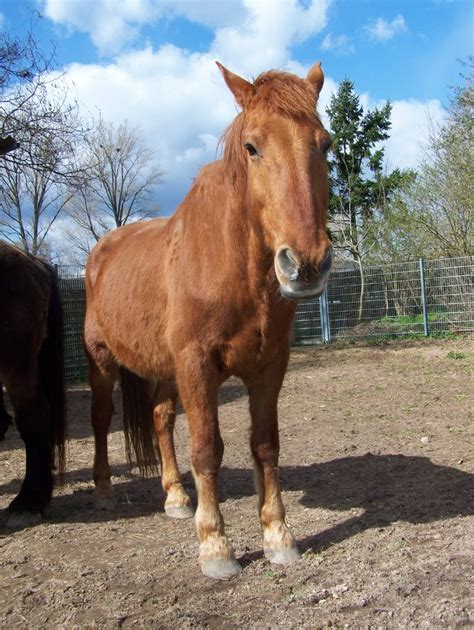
(151, 62)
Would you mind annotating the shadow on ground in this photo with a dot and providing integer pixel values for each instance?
(389, 488)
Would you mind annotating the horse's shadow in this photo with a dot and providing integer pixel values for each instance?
(387, 488)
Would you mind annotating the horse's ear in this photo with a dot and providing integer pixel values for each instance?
(316, 77)
(240, 88)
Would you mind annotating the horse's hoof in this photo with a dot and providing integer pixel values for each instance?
(283, 555)
(179, 511)
(20, 520)
(105, 502)
(221, 568)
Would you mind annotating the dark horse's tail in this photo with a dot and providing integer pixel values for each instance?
(51, 372)
(138, 422)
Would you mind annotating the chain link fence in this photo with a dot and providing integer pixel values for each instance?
(388, 301)
(404, 299)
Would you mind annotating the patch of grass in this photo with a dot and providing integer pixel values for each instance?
(457, 356)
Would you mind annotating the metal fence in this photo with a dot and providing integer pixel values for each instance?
(433, 297)
(73, 297)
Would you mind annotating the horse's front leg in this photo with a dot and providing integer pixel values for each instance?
(278, 541)
(198, 390)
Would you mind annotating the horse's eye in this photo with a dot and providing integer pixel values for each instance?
(251, 150)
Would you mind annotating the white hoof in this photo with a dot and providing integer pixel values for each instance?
(284, 555)
(179, 511)
(221, 568)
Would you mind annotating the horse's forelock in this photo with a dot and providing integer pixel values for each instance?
(286, 94)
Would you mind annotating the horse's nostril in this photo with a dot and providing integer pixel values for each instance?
(327, 262)
(288, 263)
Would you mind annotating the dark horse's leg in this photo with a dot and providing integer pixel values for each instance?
(198, 384)
(178, 503)
(278, 541)
(34, 423)
(5, 418)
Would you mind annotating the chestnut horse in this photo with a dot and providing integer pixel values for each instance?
(179, 305)
(31, 368)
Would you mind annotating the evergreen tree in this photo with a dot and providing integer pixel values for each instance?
(359, 185)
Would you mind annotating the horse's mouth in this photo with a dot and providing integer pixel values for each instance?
(301, 290)
(301, 281)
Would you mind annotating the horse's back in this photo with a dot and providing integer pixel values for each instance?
(112, 245)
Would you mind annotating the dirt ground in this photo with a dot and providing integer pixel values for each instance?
(377, 467)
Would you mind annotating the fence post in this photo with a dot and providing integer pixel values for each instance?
(423, 298)
(324, 312)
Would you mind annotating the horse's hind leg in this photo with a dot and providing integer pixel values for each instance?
(178, 503)
(103, 373)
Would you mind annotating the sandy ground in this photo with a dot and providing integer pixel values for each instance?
(377, 465)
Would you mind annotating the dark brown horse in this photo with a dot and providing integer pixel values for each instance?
(31, 368)
(179, 305)
(5, 418)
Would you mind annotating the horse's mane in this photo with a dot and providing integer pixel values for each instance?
(279, 92)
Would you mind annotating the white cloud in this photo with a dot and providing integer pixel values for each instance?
(380, 30)
(262, 41)
(112, 25)
(240, 25)
(411, 121)
(338, 43)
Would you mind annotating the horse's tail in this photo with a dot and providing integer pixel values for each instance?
(51, 372)
(138, 422)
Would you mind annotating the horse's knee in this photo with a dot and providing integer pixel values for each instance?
(207, 454)
(34, 421)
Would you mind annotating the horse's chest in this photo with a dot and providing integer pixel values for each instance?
(255, 344)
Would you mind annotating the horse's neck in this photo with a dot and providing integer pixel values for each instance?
(223, 232)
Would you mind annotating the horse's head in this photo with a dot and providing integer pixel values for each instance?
(278, 144)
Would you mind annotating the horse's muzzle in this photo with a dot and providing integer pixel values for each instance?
(301, 281)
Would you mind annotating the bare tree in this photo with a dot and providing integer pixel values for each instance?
(35, 105)
(40, 134)
(31, 199)
(115, 186)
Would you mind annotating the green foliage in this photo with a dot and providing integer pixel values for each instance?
(457, 356)
(432, 214)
